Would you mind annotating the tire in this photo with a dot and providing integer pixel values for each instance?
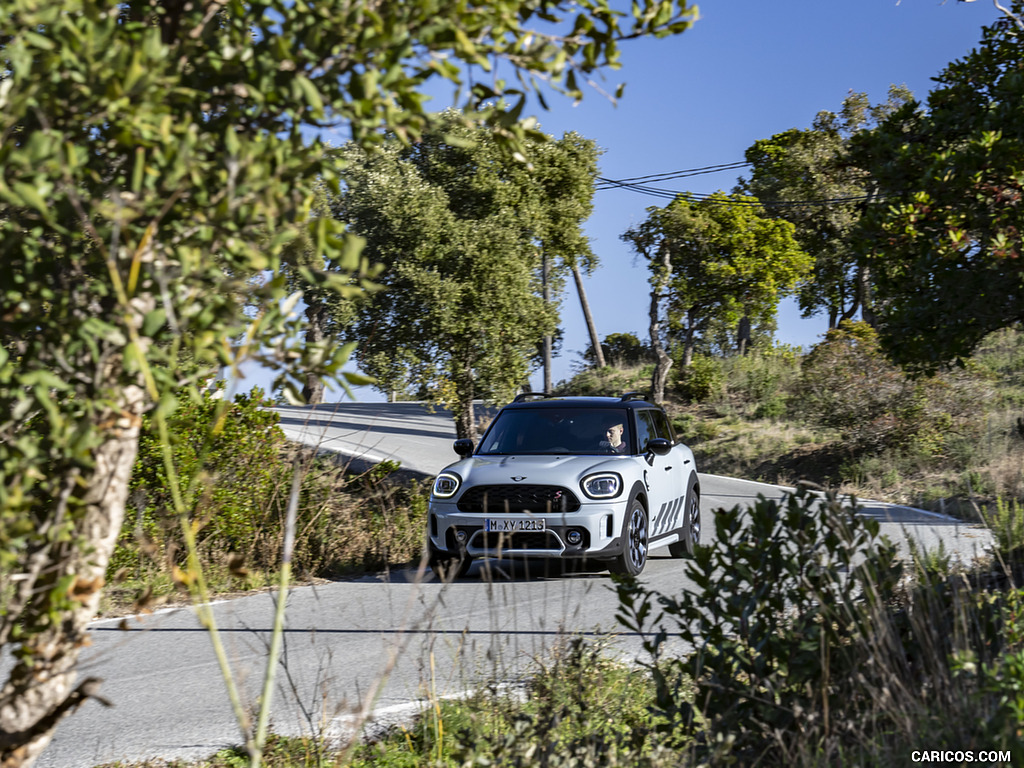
(690, 530)
(635, 534)
(448, 566)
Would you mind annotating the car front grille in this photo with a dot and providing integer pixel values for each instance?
(517, 499)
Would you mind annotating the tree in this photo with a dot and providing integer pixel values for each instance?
(329, 313)
(463, 235)
(622, 349)
(944, 237)
(716, 258)
(805, 177)
(156, 159)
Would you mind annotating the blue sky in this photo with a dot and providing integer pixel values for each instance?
(746, 70)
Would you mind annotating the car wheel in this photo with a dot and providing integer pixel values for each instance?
(448, 566)
(634, 548)
(690, 530)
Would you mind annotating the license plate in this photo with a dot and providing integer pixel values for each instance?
(512, 525)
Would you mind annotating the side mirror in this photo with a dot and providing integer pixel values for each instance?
(659, 446)
(463, 446)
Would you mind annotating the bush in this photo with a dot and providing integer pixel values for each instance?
(848, 384)
(238, 466)
(227, 456)
(582, 710)
(779, 594)
(622, 350)
(702, 380)
(809, 643)
(1007, 524)
(606, 381)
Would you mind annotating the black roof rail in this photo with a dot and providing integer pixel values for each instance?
(523, 395)
(633, 396)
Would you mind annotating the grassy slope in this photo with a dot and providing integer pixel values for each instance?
(751, 419)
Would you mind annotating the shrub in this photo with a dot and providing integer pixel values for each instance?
(1007, 524)
(606, 381)
(582, 710)
(809, 642)
(847, 383)
(239, 467)
(702, 380)
(622, 350)
(227, 456)
(777, 599)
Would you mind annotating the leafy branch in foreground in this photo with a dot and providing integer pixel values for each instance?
(155, 163)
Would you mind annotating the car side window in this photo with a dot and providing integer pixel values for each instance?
(645, 429)
(663, 426)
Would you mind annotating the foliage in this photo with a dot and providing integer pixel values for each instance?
(1000, 682)
(1006, 521)
(703, 379)
(235, 459)
(943, 240)
(794, 172)
(727, 261)
(779, 594)
(580, 709)
(229, 454)
(157, 158)
(847, 383)
(606, 382)
(329, 313)
(621, 350)
(806, 643)
(999, 358)
(461, 232)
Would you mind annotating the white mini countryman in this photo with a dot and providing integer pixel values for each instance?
(601, 478)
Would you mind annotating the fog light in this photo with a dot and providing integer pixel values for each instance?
(460, 536)
(574, 537)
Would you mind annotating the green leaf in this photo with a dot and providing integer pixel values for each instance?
(29, 196)
(310, 93)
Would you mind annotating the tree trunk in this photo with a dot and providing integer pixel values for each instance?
(547, 339)
(462, 408)
(40, 690)
(850, 312)
(588, 317)
(465, 419)
(313, 390)
(743, 335)
(662, 362)
(689, 340)
(867, 303)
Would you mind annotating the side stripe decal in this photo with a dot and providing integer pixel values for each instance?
(675, 513)
(656, 522)
(667, 516)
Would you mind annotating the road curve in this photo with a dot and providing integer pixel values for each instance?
(385, 638)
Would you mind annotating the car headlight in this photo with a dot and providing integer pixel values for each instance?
(603, 485)
(446, 484)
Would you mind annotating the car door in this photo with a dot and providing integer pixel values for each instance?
(662, 477)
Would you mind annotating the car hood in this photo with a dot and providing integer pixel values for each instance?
(533, 470)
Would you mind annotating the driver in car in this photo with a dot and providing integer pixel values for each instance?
(613, 441)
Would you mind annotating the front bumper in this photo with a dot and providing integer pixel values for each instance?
(599, 526)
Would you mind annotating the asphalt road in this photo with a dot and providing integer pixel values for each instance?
(379, 641)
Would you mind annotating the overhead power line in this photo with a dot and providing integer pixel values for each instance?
(609, 183)
(632, 184)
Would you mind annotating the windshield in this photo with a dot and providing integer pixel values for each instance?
(559, 431)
